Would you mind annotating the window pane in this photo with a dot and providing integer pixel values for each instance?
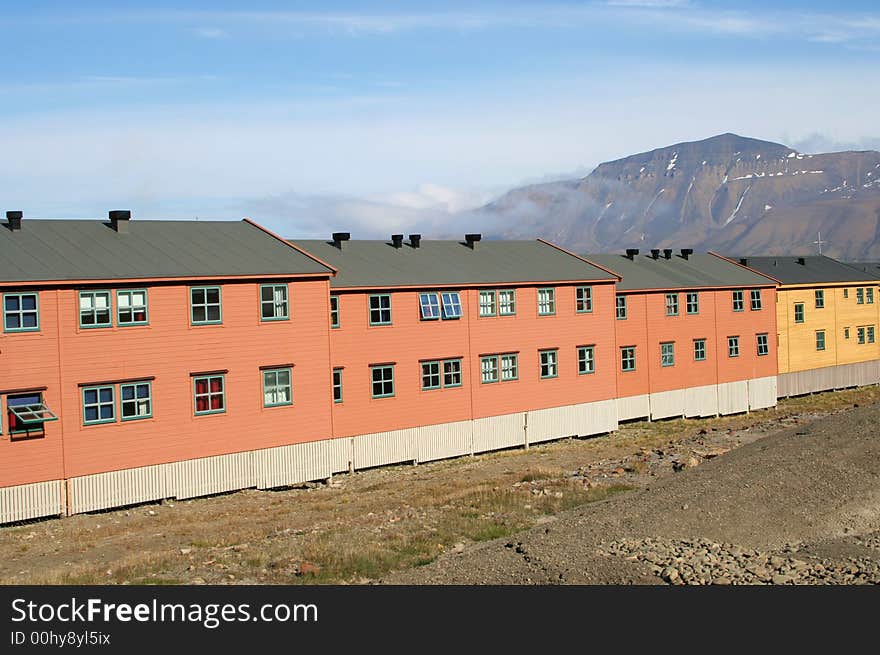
(106, 411)
(13, 321)
(91, 413)
(106, 395)
(213, 313)
(12, 303)
(213, 295)
(90, 396)
(198, 314)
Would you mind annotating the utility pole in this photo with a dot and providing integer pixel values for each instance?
(819, 242)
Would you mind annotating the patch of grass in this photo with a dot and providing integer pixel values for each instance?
(533, 475)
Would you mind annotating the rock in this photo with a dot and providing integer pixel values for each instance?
(780, 579)
(723, 580)
(185, 551)
(309, 568)
(670, 575)
(198, 581)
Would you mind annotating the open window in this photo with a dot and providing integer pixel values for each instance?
(27, 413)
(430, 306)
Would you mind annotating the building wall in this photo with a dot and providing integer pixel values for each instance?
(746, 324)
(356, 345)
(30, 360)
(797, 341)
(169, 349)
(647, 326)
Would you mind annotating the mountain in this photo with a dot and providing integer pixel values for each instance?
(727, 193)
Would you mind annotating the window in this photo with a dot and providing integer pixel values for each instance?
(431, 378)
(507, 302)
(380, 309)
(383, 381)
(549, 363)
(430, 375)
(699, 350)
(452, 373)
(756, 300)
(672, 304)
(820, 339)
(429, 304)
(583, 299)
(99, 405)
(27, 412)
(451, 305)
(273, 302)
(487, 303)
(509, 367)
(546, 302)
(870, 334)
(620, 307)
(820, 299)
(136, 400)
(21, 312)
(205, 305)
(799, 312)
(763, 344)
(628, 358)
(738, 300)
(667, 354)
(733, 346)
(94, 309)
(869, 293)
(489, 369)
(693, 302)
(210, 395)
(334, 311)
(846, 333)
(337, 385)
(846, 293)
(860, 334)
(277, 387)
(586, 360)
(131, 307)
(860, 296)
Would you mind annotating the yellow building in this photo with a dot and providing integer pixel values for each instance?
(827, 317)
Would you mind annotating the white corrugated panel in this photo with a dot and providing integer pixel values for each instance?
(633, 407)
(382, 448)
(597, 417)
(665, 404)
(762, 392)
(497, 432)
(31, 501)
(341, 454)
(733, 397)
(444, 440)
(284, 465)
(701, 401)
(552, 423)
(211, 475)
(855, 375)
(117, 488)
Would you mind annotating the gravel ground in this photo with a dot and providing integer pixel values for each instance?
(799, 506)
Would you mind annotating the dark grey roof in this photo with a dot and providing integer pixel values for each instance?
(378, 264)
(815, 269)
(867, 267)
(699, 270)
(93, 250)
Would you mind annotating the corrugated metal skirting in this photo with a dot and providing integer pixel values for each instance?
(733, 397)
(667, 404)
(497, 432)
(294, 464)
(762, 392)
(700, 402)
(31, 501)
(119, 488)
(445, 440)
(210, 475)
(633, 407)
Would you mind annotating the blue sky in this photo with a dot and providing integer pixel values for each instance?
(377, 116)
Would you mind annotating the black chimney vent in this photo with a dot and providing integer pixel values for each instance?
(340, 237)
(119, 219)
(687, 252)
(415, 240)
(397, 240)
(472, 240)
(744, 261)
(801, 261)
(14, 219)
(667, 253)
(631, 252)
(655, 253)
